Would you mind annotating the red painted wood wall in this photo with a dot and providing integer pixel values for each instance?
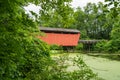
(61, 39)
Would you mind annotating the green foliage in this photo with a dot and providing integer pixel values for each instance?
(79, 47)
(61, 69)
(55, 47)
(93, 22)
(114, 14)
(59, 15)
(22, 55)
(115, 34)
(114, 43)
(113, 46)
(100, 46)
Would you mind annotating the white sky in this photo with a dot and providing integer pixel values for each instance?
(83, 3)
(75, 4)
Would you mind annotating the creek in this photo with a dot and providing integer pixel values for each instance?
(105, 68)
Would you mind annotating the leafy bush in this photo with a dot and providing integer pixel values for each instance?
(22, 55)
(79, 46)
(60, 69)
(55, 47)
(100, 46)
(114, 44)
(27, 58)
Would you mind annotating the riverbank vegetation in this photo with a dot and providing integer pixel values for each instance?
(24, 57)
(95, 22)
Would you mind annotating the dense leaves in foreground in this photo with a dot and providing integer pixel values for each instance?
(22, 55)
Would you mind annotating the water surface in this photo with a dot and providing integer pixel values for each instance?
(105, 68)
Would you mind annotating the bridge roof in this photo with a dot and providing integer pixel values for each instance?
(59, 30)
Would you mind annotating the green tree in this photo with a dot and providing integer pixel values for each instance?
(79, 22)
(58, 16)
(98, 25)
(22, 55)
(93, 22)
(114, 14)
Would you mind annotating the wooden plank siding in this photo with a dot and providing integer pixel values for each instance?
(60, 36)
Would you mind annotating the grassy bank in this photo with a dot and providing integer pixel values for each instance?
(106, 55)
(112, 56)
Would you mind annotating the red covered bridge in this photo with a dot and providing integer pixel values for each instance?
(60, 36)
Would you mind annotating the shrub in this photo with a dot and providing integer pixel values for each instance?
(55, 47)
(22, 57)
(100, 46)
(113, 46)
(79, 47)
(59, 69)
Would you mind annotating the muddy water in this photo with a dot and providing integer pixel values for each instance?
(105, 68)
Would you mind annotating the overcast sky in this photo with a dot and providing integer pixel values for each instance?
(75, 4)
(83, 3)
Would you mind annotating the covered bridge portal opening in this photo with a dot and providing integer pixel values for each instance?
(67, 38)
